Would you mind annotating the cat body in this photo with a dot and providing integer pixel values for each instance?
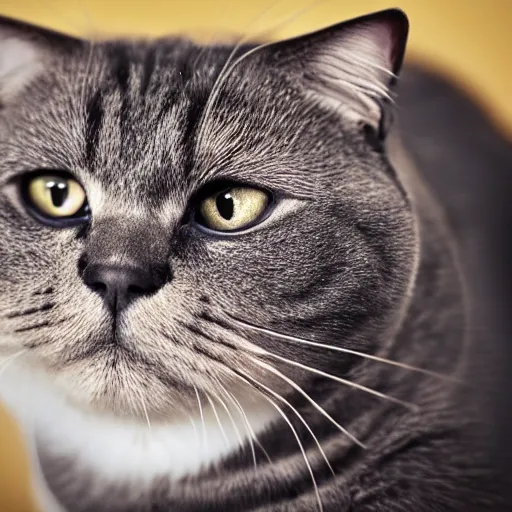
(314, 357)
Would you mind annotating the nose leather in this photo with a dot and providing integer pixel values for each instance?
(125, 261)
(121, 285)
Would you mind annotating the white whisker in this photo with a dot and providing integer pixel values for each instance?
(224, 73)
(193, 423)
(86, 74)
(405, 366)
(299, 415)
(144, 408)
(355, 385)
(9, 360)
(322, 411)
(251, 440)
(233, 422)
(249, 427)
(201, 414)
(296, 435)
(228, 67)
(222, 431)
(196, 434)
(133, 408)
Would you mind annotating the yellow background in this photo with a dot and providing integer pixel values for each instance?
(469, 39)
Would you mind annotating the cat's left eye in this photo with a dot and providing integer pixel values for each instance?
(57, 198)
(233, 208)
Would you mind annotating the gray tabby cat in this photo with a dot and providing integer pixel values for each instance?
(224, 284)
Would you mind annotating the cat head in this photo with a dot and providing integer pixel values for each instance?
(164, 206)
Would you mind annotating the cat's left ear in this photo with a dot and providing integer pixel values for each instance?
(25, 51)
(351, 66)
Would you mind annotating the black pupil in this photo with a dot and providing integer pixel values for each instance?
(59, 192)
(225, 205)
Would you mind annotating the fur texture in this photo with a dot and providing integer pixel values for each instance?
(308, 362)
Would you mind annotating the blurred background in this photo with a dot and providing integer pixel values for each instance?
(467, 40)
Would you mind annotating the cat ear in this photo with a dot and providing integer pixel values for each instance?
(351, 66)
(25, 51)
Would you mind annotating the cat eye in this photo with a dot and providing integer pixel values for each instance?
(57, 198)
(234, 208)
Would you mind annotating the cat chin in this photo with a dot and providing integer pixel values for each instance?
(131, 395)
(98, 444)
(123, 402)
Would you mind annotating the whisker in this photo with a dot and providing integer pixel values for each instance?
(296, 435)
(128, 407)
(412, 407)
(227, 68)
(212, 39)
(201, 414)
(299, 416)
(289, 19)
(322, 411)
(134, 406)
(249, 427)
(233, 422)
(193, 423)
(405, 366)
(144, 408)
(214, 409)
(10, 360)
(85, 80)
(196, 435)
(220, 78)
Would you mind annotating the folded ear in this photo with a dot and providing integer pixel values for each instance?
(25, 51)
(351, 66)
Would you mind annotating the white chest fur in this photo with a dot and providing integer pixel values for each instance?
(122, 451)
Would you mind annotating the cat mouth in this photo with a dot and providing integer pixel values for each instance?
(116, 339)
(107, 346)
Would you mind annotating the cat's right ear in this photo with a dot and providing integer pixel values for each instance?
(25, 51)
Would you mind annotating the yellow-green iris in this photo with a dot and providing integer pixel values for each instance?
(56, 196)
(234, 208)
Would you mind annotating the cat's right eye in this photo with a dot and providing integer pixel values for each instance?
(55, 198)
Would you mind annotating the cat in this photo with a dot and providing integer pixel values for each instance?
(225, 282)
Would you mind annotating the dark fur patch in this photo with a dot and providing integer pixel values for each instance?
(94, 121)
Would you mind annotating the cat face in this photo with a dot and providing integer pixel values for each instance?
(160, 211)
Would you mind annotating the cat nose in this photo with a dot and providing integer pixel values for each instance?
(121, 285)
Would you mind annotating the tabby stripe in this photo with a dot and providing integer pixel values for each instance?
(95, 115)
